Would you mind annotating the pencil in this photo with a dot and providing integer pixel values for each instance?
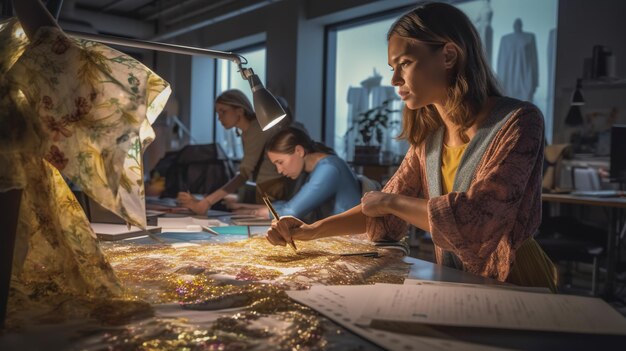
(209, 230)
(266, 199)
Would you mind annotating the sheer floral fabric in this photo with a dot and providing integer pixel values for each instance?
(80, 110)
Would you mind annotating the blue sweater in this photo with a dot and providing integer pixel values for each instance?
(331, 187)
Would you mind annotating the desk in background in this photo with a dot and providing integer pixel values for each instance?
(614, 206)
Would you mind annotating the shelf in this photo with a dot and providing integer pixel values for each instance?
(608, 83)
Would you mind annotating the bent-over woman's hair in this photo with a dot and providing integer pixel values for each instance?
(285, 142)
(236, 98)
(471, 81)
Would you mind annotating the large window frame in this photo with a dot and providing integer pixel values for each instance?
(330, 64)
(329, 120)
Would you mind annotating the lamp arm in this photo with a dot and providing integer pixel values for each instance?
(268, 110)
(54, 7)
(246, 73)
(165, 47)
(239, 60)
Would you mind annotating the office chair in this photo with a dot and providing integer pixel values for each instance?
(567, 239)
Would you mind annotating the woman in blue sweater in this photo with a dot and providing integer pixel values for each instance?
(330, 188)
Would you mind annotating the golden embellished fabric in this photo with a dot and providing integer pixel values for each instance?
(252, 275)
(224, 295)
(80, 110)
(156, 273)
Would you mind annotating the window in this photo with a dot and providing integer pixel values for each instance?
(358, 77)
(228, 77)
(358, 57)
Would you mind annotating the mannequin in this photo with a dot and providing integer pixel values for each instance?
(518, 67)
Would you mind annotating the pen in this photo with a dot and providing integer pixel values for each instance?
(266, 199)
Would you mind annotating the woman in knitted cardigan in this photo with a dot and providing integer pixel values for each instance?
(472, 177)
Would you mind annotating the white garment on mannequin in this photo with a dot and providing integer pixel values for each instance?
(518, 68)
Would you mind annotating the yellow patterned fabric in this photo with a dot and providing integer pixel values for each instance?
(532, 267)
(80, 110)
(223, 292)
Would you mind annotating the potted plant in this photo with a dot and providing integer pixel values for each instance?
(372, 125)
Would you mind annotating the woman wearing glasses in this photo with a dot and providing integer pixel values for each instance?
(472, 177)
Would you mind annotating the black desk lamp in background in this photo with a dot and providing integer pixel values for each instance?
(617, 167)
(574, 115)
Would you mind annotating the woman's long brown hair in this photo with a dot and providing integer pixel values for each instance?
(471, 81)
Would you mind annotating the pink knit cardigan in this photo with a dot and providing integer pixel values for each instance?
(485, 225)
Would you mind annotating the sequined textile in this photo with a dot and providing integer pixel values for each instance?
(242, 285)
(252, 275)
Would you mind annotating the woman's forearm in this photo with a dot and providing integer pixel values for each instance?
(249, 206)
(215, 196)
(410, 209)
(346, 223)
(235, 183)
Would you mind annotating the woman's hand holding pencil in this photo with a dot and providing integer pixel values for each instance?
(266, 199)
(286, 230)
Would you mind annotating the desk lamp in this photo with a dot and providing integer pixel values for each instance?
(574, 116)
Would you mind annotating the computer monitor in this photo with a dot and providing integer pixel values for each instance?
(618, 153)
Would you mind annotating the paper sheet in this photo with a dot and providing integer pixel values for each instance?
(491, 308)
(345, 304)
(186, 224)
(410, 281)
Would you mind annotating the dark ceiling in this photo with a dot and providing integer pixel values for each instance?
(149, 19)
(149, 10)
(145, 19)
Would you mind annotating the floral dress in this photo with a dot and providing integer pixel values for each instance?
(80, 110)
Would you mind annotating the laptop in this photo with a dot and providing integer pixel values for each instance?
(98, 214)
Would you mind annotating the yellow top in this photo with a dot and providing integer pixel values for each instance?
(450, 159)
